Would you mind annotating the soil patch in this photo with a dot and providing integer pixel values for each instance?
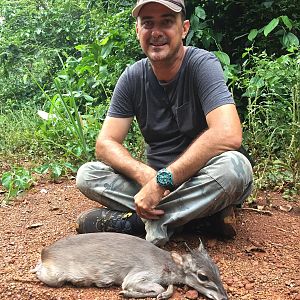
(261, 263)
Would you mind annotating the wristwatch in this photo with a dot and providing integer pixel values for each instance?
(165, 179)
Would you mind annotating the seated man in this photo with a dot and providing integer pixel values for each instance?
(192, 130)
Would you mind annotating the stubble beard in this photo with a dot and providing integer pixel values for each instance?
(163, 55)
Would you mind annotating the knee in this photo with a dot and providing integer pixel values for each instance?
(236, 171)
(87, 173)
(82, 175)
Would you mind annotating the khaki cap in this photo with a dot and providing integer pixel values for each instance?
(175, 5)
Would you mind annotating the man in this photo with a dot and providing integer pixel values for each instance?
(191, 127)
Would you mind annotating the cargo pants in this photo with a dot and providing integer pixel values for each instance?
(225, 180)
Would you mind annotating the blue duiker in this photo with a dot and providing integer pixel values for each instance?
(141, 268)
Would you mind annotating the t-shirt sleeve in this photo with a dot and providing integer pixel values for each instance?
(121, 101)
(212, 89)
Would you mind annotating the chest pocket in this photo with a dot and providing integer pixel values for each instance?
(190, 121)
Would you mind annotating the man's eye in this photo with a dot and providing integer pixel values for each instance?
(167, 23)
(147, 24)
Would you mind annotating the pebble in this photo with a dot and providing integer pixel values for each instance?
(297, 297)
(249, 286)
(191, 294)
(229, 282)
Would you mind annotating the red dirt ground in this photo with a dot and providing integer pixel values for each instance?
(261, 263)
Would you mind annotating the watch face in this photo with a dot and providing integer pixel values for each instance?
(164, 178)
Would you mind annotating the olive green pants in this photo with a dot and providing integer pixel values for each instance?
(225, 180)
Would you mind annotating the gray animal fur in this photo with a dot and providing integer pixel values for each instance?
(142, 269)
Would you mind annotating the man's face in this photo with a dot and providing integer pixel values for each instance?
(160, 32)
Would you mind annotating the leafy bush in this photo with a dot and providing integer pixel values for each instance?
(272, 129)
(64, 58)
(16, 181)
(17, 133)
(32, 33)
(226, 25)
(83, 87)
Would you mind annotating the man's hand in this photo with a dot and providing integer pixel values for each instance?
(148, 198)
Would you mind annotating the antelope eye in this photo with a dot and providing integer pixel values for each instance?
(202, 277)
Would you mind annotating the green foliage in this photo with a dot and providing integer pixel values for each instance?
(63, 58)
(83, 87)
(32, 33)
(17, 133)
(287, 38)
(20, 179)
(231, 26)
(56, 169)
(16, 181)
(272, 128)
(202, 33)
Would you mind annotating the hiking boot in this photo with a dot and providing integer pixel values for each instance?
(222, 224)
(225, 222)
(106, 220)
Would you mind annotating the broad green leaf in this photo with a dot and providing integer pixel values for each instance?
(289, 40)
(287, 22)
(271, 26)
(252, 35)
(56, 171)
(104, 41)
(223, 57)
(257, 81)
(267, 4)
(194, 22)
(107, 49)
(81, 47)
(189, 37)
(88, 97)
(42, 169)
(200, 13)
(6, 179)
(71, 167)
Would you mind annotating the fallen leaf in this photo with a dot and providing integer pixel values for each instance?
(35, 225)
(286, 208)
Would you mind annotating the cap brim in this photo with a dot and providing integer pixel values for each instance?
(174, 7)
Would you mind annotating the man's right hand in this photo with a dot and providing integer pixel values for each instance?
(147, 199)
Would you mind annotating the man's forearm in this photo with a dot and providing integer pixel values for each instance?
(205, 147)
(118, 157)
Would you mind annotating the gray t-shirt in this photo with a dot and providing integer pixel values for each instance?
(171, 115)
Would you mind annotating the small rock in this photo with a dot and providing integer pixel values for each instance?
(229, 281)
(211, 243)
(297, 297)
(249, 286)
(191, 294)
(54, 208)
(251, 280)
(35, 225)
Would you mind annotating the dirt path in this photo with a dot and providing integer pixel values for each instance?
(263, 262)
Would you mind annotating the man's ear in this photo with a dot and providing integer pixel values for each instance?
(186, 28)
(137, 30)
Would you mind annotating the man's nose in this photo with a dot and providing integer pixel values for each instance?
(156, 32)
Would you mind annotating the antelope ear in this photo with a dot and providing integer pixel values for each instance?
(187, 247)
(177, 258)
(201, 246)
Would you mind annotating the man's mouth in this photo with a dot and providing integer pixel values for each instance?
(158, 43)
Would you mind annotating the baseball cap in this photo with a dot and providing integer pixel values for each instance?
(175, 5)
